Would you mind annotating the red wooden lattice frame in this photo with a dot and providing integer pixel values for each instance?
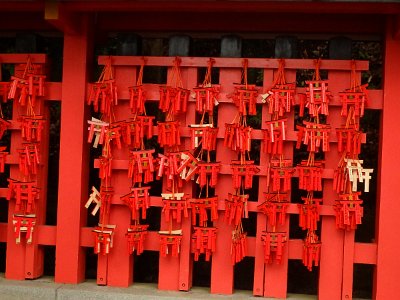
(269, 280)
(175, 273)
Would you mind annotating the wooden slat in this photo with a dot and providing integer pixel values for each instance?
(365, 253)
(375, 97)
(53, 91)
(46, 235)
(221, 266)
(224, 62)
(14, 58)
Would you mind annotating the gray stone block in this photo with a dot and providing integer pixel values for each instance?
(231, 46)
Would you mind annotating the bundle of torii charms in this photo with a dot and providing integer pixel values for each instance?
(177, 167)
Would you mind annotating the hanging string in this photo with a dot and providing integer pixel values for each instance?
(176, 76)
(28, 67)
(207, 78)
(353, 76)
(245, 64)
(280, 73)
(139, 80)
(317, 75)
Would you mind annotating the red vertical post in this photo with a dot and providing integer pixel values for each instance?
(221, 267)
(15, 260)
(276, 275)
(388, 266)
(119, 262)
(174, 272)
(189, 78)
(73, 179)
(168, 275)
(26, 260)
(332, 257)
(259, 265)
(34, 257)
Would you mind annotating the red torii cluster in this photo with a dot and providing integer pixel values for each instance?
(26, 87)
(350, 171)
(206, 98)
(316, 99)
(204, 241)
(354, 100)
(349, 140)
(280, 98)
(205, 134)
(170, 242)
(236, 208)
(310, 177)
(273, 136)
(273, 245)
(245, 98)
(141, 166)
(32, 127)
(314, 135)
(169, 134)
(138, 200)
(349, 211)
(29, 159)
(136, 236)
(175, 206)
(311, 250)
(173, 99)
(134, 131)
(243, 173)
(309, 213)
(280, 172)
(237, 137)
(275, 208)
(200, 207)
(103, 94)
(137, 94)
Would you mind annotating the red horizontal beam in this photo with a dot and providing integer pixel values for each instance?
(365, 253)
(122, 164)
(53, 91)
(234, 6)
(46, 235)
(156, 201)
(375, 100)
(6, 58)
(223, 62)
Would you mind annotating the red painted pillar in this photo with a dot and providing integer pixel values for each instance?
(388, 231)
(259, 262)
(222, 271)
(73, 180)
(276, 275)
(175, 273)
